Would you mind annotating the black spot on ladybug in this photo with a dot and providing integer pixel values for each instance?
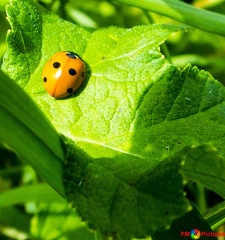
(71, 55)
(72, 71)
(45, 79)
(70, 90)
(56, 64)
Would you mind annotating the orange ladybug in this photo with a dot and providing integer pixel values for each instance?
(63, 74)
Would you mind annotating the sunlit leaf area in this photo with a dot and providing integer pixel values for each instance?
(112, 119)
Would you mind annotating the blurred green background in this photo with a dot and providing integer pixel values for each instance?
(202, 49)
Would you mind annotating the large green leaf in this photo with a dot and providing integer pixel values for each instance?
(181, 228)
(135, 116)
(125, 196)
(121, 66)
(205, 164)
(180, 109)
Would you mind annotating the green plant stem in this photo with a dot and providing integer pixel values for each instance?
(164, 47)
(202, 205)
(182, 12)
(215, 215)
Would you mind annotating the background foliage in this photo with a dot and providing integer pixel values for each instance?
(202, 49)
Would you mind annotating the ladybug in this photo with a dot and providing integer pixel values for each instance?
(63, 74)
